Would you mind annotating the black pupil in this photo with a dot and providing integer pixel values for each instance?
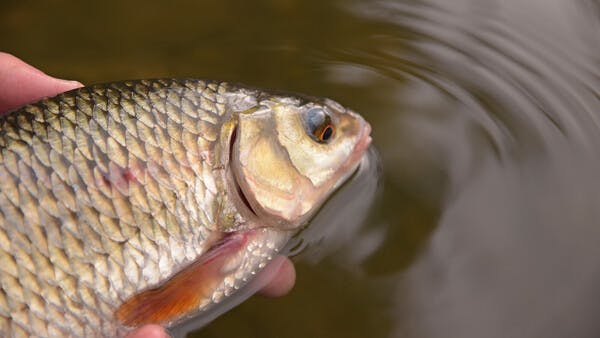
(327, 133)
(318, 124)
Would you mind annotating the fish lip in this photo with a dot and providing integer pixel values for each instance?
(364, 140)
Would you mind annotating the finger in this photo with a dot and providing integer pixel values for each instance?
(21, 83)
(279, 277)
(149, 331)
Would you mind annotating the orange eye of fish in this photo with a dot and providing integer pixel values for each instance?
(319, 125)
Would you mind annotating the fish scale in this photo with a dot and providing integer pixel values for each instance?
(55, 181)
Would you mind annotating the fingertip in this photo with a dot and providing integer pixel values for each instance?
(65, 85)
(283, 279)
(21, 83)
(35, 81)
(149, 331)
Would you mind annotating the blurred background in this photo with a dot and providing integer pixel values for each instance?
(486, 117)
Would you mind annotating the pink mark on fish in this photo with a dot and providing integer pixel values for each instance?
(120, 178)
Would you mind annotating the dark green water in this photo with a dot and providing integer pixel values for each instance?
(486, 115)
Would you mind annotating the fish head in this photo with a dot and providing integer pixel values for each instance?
(290, 154)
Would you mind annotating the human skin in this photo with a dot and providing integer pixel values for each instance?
(21, 83)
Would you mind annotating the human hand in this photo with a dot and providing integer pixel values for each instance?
(21, 83)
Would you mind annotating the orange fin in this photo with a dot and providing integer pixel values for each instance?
(184, 291)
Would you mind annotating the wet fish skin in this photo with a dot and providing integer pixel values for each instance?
(77, 234)
(112, 189)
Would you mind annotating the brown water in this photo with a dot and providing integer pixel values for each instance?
(486, 116)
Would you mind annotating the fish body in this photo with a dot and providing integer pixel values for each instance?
(149, 201)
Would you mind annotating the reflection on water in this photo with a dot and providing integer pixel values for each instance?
(514, 252)
(486, 116)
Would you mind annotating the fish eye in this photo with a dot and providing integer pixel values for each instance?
(319, 125)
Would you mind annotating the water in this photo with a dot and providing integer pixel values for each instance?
(485, 114)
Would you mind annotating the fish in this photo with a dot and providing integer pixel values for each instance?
(151, 201)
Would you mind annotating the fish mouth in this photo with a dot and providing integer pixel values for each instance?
(363, 142)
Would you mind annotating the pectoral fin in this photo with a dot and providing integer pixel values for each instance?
(186, 290)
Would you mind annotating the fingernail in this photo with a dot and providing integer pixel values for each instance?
(70, 83)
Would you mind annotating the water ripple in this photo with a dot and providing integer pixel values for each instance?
(507, 97)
